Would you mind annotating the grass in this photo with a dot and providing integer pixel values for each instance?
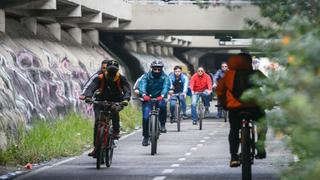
(61, 138)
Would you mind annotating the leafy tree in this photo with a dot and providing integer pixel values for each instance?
(295, 88)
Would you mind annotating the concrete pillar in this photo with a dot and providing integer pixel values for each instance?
(194, 61)
(2, 21)
(157, 50)
(131, 45)
(150, 48)
(76, 33)
(55, 29)
(141, 47)
(170, 51)
(30, 23)
(93, 35)
(165, 51)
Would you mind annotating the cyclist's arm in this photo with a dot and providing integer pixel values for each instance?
(221, 91)
(86, 85)
(143, 85)
(166, 86)
(186, 84)
(92, 86)
(209, 83)
(126, 88)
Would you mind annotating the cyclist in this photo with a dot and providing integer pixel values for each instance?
(229, 91)
(180, 83)
(112, 86)
(154, 84)
(200, 85)
(217, 76)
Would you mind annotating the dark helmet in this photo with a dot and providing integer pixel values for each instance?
(157, 63)
(113, 63)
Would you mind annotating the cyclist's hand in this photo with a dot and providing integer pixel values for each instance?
(146, 98)
(125, 103)
(159, 98)
(136, 91)
(214, 85)
(209, 92)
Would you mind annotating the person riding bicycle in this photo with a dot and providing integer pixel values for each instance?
(229, 91)
(200, 85)
(180, 83)
(216, 77)
(154, 84)
(111, 86)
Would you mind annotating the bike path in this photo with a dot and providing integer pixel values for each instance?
(189, 154)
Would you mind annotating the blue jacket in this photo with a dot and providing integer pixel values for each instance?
(217, 76)
(184, 78)
(154, 86)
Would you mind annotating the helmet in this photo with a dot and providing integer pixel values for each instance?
(113, 63)
(157, 63)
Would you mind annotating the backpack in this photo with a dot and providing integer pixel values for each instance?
(241, 83)
(102, 82)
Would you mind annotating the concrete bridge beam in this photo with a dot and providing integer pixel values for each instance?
(2, 21)
(30, 23)
(131, 45)
(93, 35)
(150, 48)
(55, 30)
(141, 47)
(76, 33)
(70, 11)
(164, 51)
(158, 50)
(27, 4)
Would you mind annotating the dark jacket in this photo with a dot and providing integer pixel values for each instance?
(111, 91)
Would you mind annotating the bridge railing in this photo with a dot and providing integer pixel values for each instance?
(195, 2)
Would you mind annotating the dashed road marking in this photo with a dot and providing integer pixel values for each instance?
(194, 149)
(188, 154)
(160, 178)
(203, 141)
(199, 145)
(182, 159)
(206, 137)
(175, 165)
(167, 171)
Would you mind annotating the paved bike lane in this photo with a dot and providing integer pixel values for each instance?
(189, 154)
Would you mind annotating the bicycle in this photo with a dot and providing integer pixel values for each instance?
(177, 110)
(224, 112)
(104, 138)
(247, 137)
(200, 108)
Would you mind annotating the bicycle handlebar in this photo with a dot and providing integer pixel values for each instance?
(106, 103)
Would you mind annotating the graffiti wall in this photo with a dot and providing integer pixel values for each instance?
(41, 77)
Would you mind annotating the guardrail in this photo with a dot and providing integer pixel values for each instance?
(195, 2)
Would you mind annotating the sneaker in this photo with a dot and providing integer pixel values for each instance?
(116, 135)
(206, 112)
(234, 162)
(92, 153)
(259, 155)
(184, 116)
(163, 129)
(194, 122)
(145, 141)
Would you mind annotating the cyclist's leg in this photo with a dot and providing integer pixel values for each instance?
(262, 129)
(206, 100)
(172, 104)
(146, 108)
(194, 101)
(163, 115)
(183, 104)
(116, 124)
(235, 125)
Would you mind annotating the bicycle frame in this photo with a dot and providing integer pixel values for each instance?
(177, 110)
(154, 125)
(200, 108)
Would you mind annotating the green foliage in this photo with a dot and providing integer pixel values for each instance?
(130, 118)
(294, 89)
(46, 140)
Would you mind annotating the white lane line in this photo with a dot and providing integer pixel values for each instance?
(175, 165)
(206, 137)
(211, 134)
(203, 141)
(159, 178)
(199, 145)
(167, 171)
(182, 159)
(126, 136)
(188, 154)
(194, 149)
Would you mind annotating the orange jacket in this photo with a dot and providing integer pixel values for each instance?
(226, 84)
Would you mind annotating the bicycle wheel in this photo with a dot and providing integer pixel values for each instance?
(109, 149)
(201, 114)
(99, 147)
(178, 116)
(153, 134)
(245, 153)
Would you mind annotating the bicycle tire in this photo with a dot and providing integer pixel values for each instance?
(178, 116)
(245, 153)
(109, 149)
(99, 151)
(153, 134)
(201, 115)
